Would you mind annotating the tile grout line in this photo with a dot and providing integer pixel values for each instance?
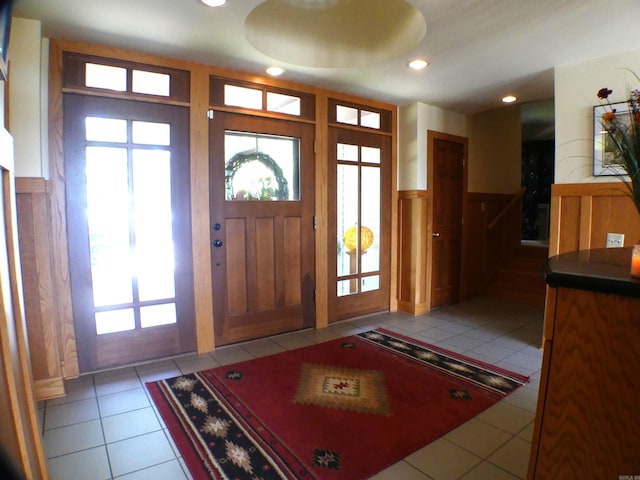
(104, 438)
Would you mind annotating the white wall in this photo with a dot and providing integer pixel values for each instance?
(414, 120)
(28, 98)
(576, 86)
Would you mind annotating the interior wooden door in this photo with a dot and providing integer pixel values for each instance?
(262, 206)
(128, 221)
(448, 187)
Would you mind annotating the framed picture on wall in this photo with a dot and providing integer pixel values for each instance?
(605, 160)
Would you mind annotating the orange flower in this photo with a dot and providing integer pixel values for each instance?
(609, 116)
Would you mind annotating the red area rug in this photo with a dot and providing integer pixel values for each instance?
(343, 409)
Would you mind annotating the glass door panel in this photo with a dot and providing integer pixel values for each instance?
(370, 218)
(130, 229)
(261, 167)
(358, 216)
(154, 249)
(347, 221)
(108, 222)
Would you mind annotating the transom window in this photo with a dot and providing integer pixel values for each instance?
(263, 98)
(116, 76)
(356, 115)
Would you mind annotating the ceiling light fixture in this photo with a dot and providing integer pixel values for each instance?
(418, 64)
(509, 99)
(213, 3)
(275, 71)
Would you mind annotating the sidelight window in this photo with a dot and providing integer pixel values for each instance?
(358, 218)
(129, 216)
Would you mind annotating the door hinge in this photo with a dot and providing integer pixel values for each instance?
(315, 147)
(210, 114)
(314, 295)
(314, 222)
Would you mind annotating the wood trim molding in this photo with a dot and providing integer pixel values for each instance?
(60, 257)
(200, 218)
(395, 222)
(433, 135)
(412, 194)
(322, 212)
(49, 388)
(31, 185)
(596, 189)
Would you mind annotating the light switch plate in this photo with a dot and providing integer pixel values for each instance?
(615, 240)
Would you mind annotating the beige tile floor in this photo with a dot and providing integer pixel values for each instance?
(107, 427)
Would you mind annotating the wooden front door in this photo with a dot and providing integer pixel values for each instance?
(128, 222)
(448, 187)
(263, 241)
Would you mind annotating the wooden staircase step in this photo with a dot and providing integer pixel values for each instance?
(522, 278)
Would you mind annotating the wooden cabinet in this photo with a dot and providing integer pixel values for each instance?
(588, 416)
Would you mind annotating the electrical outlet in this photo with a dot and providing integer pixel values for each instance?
(615, 240)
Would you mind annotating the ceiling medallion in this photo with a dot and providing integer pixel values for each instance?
(334, 33)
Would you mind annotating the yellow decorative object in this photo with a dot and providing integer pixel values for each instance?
(351, 238)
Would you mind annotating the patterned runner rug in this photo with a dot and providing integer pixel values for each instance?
(342, 410)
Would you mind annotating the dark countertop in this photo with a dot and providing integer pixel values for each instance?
(604, 270)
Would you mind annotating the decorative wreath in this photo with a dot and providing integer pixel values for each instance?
(239, 159)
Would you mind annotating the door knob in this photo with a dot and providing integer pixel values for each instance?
(435, 234)
(217, 243)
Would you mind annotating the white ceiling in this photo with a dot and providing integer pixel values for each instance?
(479, 50)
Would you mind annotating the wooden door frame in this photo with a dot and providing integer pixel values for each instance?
(97, 352)
(359, 304)
(432, 136)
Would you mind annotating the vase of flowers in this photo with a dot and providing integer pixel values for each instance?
(623, 131)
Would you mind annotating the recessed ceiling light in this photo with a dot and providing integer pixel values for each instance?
(418, 64)
(213, 3)
(275, 71)
(509, 99)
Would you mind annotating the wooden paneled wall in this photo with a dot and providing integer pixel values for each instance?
(39, 287)
(582, 215)
(481, 250)
(413, 292)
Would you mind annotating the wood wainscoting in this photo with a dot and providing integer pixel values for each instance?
(479, 251)
(34, 227)
(582, 214)
(413, 272)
